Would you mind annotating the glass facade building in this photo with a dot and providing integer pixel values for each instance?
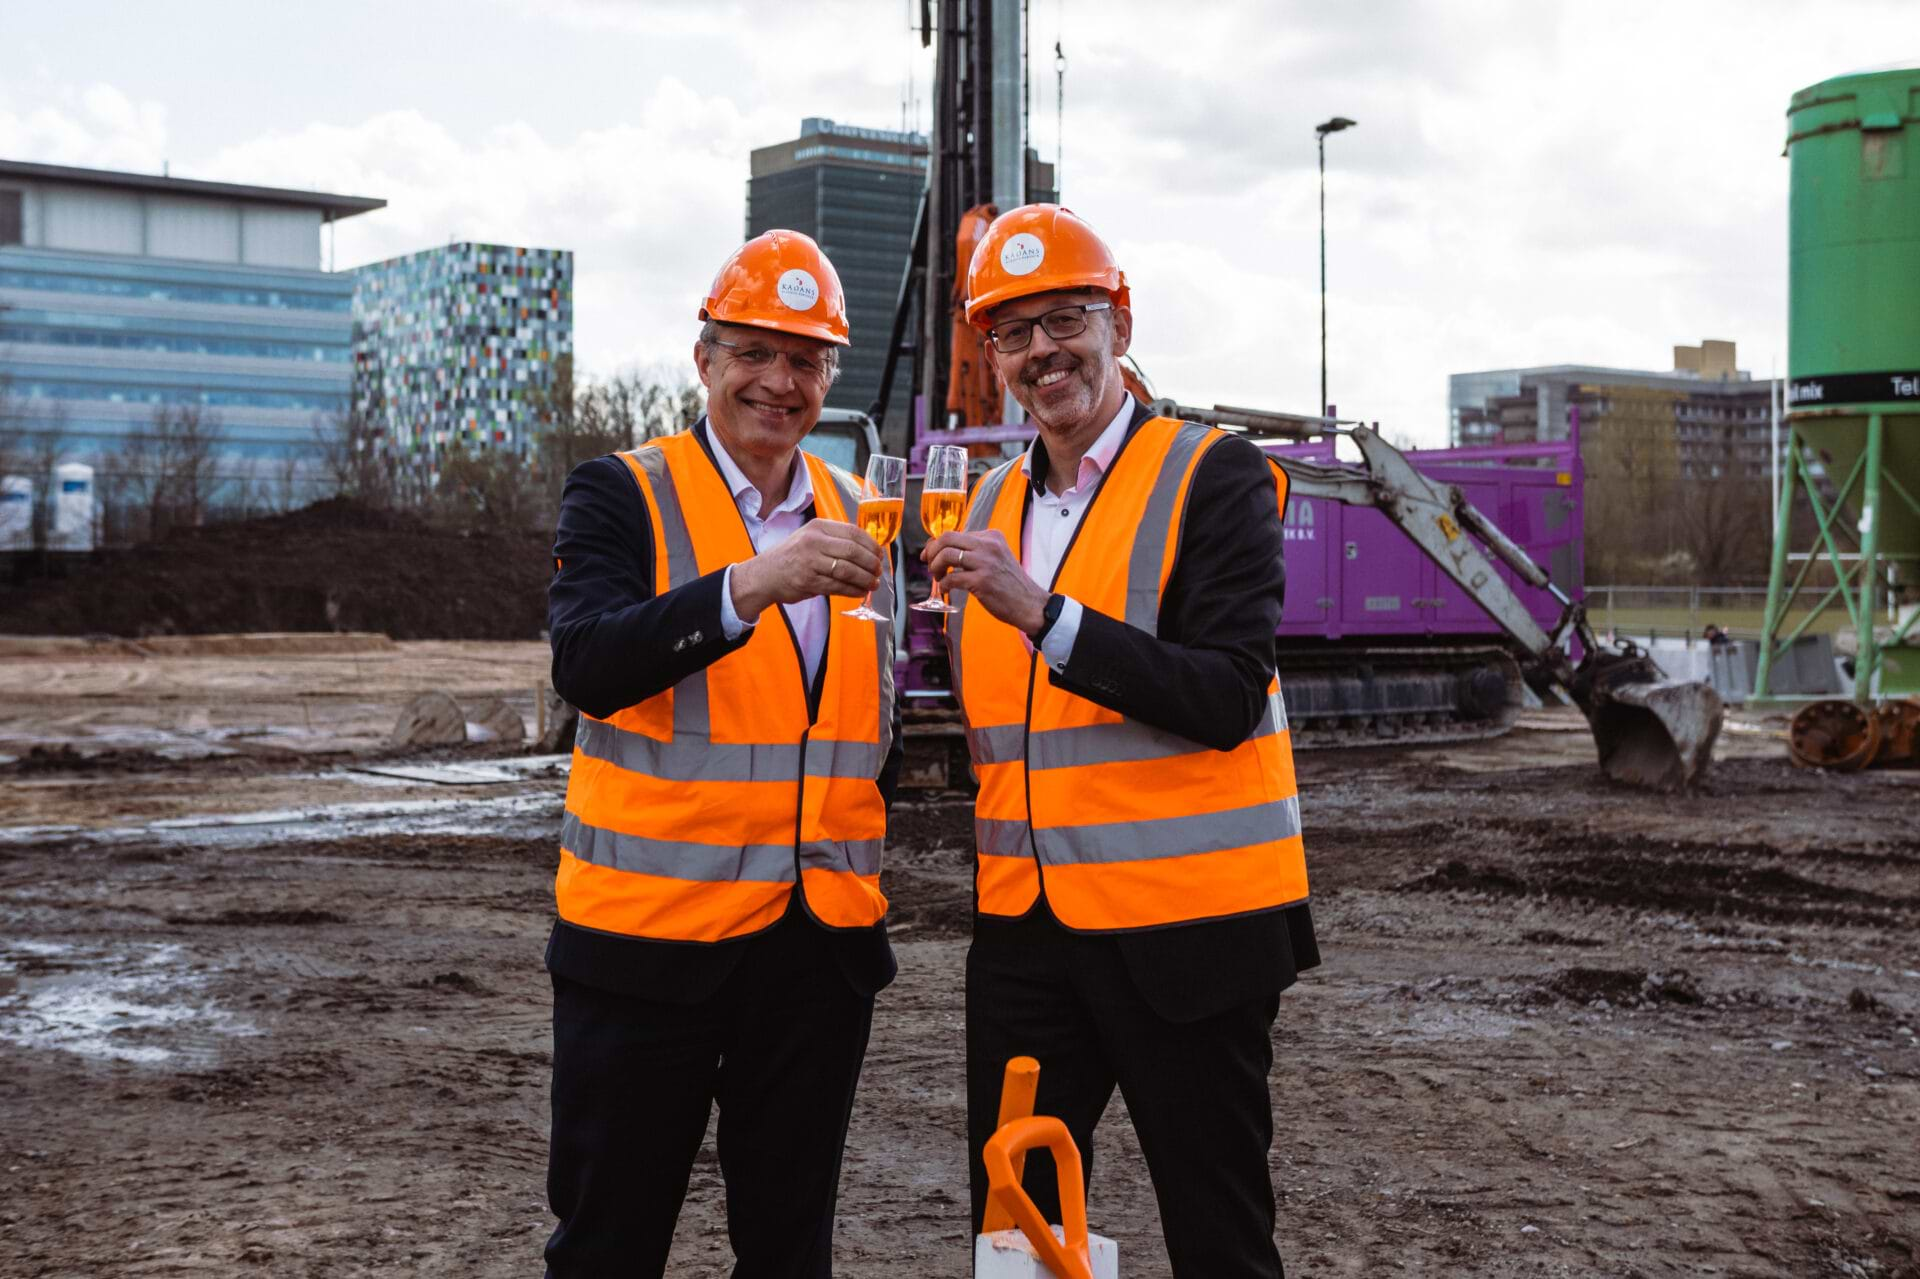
(124, 294)
(457, 347)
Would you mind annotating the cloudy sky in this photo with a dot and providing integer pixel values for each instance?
(1531, 182)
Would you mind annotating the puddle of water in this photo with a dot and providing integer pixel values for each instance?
(139, 1004)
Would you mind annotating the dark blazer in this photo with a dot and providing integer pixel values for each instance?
(1203, 676)
(615, 644)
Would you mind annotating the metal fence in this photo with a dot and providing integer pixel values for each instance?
(1678, 611)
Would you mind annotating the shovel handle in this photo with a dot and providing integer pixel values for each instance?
(1070, 1260)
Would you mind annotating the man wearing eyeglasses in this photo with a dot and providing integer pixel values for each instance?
(1140, 881)
(720, 935)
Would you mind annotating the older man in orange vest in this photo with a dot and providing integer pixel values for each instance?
(720, 935)
(1140, 884)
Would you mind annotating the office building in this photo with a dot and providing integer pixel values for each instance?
(856, 191)
(1712, 416)
(456, 348)
(125, 293)
(1676, 460)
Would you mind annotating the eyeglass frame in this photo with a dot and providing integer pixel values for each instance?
(825, 371)
(1040, 322)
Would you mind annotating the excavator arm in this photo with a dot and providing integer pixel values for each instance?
(1650, 731)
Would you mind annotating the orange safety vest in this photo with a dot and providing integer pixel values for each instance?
(1121, 825)
(691, 815)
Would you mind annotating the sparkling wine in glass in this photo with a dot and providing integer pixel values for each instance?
(882, 505)
(943, 503)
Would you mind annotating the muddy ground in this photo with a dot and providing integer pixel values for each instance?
(263, 1013)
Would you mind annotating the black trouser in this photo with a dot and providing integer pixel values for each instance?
(778, 1046)
(1197, 1092)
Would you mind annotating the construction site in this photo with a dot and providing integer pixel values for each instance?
(1619, 931)
(273, 999)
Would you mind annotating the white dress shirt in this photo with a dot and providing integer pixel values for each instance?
(1052, 521)
(809, 616)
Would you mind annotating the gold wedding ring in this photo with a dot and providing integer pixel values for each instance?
(959, 559)
(833, 569)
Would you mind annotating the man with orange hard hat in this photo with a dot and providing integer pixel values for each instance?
(720, 935)
(1140, 883)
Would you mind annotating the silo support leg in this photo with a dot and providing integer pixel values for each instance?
(1867, 665)
(1776, 576)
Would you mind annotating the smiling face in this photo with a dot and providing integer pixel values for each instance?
(761, 414)
(1070, 387)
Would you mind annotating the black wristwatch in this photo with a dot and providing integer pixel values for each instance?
(1048, 616)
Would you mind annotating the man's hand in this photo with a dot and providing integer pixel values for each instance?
(982, 565)
(824, 558)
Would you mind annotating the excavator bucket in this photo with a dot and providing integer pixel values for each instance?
(1652, 732)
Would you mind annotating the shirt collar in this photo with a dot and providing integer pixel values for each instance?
(799, 492)
(1100, 456)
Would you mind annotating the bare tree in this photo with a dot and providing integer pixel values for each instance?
(357, 459)
(1724, 514)
(188, 437)
(286, 482)
(580, 422)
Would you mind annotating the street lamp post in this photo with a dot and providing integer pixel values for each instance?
(1334, 125)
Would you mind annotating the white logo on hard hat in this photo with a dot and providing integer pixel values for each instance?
(1022, 254)
(798, 290)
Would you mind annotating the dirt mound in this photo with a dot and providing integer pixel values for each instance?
(333, 566)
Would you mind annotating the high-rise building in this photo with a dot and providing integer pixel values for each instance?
(126, 293)
(856, 191)
(457, 347)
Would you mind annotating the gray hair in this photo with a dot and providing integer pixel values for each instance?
(830, 353)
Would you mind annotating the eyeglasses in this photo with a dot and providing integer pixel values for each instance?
(1062, 322)
(758, 359)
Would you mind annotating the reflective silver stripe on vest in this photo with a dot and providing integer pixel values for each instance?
(690, 715)
(997, 744)
(1169, 836)
(1127, 742)
(690, 758)
(997, 838)
(678, 859)
(979, 517)
(861, 856)
(682, 565)
(1150, 539)
(844, 759)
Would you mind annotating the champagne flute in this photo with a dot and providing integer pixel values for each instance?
(943, 502)
(882, 506)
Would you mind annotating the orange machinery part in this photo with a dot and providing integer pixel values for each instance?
(973, 389)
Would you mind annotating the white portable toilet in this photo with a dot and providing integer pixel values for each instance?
(16, 513)
(71, 529)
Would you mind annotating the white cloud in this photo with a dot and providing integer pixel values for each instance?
(93, 126)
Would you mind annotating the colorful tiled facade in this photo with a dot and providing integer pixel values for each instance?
(456, 348)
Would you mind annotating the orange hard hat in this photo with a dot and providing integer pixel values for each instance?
(1038, 248)
(780, 280)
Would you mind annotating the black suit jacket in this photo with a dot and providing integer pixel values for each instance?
(1204, 676)
(615, 644)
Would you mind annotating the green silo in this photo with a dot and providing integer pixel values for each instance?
(1853, 352)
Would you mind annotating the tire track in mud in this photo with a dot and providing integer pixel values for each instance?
(1708, 880)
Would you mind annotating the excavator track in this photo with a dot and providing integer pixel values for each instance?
(1379, 695)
